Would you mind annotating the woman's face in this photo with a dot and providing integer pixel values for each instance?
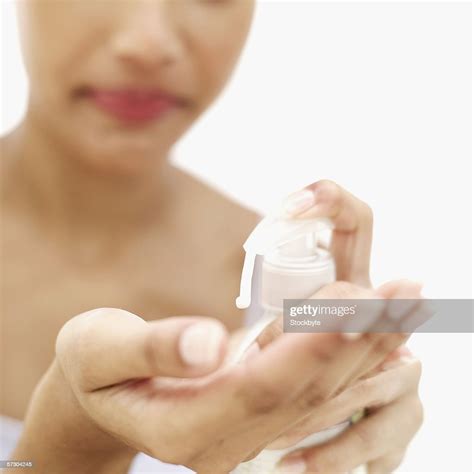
(117, 82)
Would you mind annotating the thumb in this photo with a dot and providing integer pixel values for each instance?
(108, 346)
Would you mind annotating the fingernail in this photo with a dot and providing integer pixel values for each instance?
(398, 362)
(298, 202)
(294, 465)
(351, 336)
(200, 344)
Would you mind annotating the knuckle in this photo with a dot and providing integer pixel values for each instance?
(328, 184)
(77, 347)
(263, 402)
(71, 338)
(314, 395)
(330, 191)
(87, 329)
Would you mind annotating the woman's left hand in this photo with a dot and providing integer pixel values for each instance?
(394, 414)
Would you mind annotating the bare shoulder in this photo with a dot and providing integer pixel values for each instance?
(214, 227)
(220, 216)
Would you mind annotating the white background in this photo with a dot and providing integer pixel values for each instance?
(376, 96)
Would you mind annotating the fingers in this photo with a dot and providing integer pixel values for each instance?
(378, 345)
(400, 354)
(326, 198)
(388, 430)
(108, 346)
(301, 372)
(392, 382)
(305, 370)
(397, 289)
(399, 294)
(277, 373)
(322, 363)
(335, 371)
(353, 221)
(326, 354)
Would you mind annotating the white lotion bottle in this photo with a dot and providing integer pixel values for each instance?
(295, 266)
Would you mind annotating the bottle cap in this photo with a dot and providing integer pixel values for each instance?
(274, 232)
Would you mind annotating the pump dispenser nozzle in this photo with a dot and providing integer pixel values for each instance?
(275, 232)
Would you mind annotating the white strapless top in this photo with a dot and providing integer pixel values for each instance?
(10, 429)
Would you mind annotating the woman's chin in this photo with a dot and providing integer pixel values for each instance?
(126, 160)
(114, 152)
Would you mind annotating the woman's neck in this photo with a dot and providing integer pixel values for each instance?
(64, 191)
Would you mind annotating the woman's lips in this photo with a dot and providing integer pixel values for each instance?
(133, 105)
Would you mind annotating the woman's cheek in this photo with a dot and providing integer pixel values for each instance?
(51, 63)
(216, 34)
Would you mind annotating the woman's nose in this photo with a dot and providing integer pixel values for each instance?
(147, 36)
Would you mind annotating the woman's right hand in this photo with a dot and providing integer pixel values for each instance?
(121, 385)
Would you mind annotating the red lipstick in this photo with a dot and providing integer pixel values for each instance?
(133, 105)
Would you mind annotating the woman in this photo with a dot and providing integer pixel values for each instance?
(95, 216)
